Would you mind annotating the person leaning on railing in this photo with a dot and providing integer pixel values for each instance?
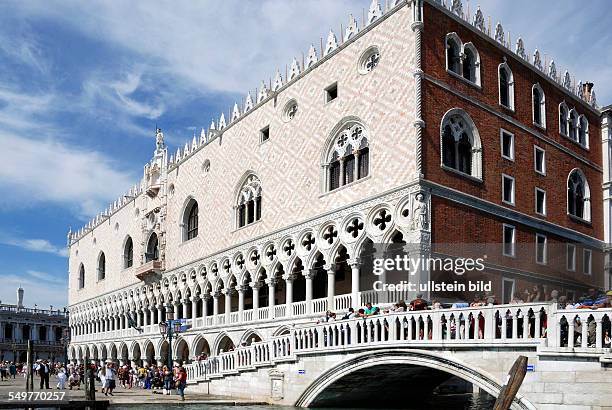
(596, 301)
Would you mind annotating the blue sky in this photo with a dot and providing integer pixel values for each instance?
(83, 85)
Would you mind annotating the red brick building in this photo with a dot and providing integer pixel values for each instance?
(512, 152)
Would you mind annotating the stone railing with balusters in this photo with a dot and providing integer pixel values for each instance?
(532, 326)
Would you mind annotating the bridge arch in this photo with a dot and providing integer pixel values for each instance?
(324, 389)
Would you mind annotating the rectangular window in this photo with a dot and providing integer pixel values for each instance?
(264, 134)
(571, 257)
(507, 144)
(507, 189)
(541, 249)
(334, 175)
(349, 169)
(364, 159)
(507, 290)
(509, 240)
(539, 160)
(586, 261)
(331, 92)
(540, 201)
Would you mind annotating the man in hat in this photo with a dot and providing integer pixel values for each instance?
(43, 372)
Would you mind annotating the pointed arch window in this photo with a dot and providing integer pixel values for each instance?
(101, 266)
(190, 220)
(248, 206)
(462, 59)
(453, 53)
(461, 148)
(583, 131)
(152, 253)
(578, 195)
(506, 86)
(563, 119)
(81, 276)
(573, 125)
(347, 159)
(539, 106)
(128, 253)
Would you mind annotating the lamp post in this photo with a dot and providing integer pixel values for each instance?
(168, 328)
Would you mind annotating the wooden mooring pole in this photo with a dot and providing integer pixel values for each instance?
(512, 386)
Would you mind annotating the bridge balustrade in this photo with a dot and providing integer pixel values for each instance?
(532, 325)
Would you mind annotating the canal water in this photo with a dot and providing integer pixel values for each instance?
(447, 402)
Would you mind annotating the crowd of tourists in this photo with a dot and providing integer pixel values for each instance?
(158, 379)
(593, 299)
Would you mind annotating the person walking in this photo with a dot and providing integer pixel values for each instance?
(61, 379)
(43, 372)
(13, 369)
(181, 382)
(102, 377)
(109, 384)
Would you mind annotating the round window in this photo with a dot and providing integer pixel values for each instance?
(369, 60)
(290, 111)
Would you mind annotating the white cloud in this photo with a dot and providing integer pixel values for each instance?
(209, 45)
(117, 95)
(34, 245)
(46, 170)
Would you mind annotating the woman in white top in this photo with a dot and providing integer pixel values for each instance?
(102, 377)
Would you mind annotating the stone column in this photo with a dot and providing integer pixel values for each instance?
(271, 282)
(308, 275)
(331, 286)
(355, 264)
(255, 286)
(289, 294)
(241, 289)
(215, 306)
(159, 313)
(185, 306)
(228, 304)
(194, 306)
(205, 299)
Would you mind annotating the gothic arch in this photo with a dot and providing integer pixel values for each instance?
(457, 127)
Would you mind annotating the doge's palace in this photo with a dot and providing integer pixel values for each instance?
(405, 128)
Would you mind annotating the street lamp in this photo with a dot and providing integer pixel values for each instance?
(168, 329)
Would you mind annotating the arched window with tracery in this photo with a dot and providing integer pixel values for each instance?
(506, 86)
(248, 206)
(453, 53)
(539, 106)
(152, 253)
(461, 147)
(578, 195)
(128, 253)
(101, 266)
(347, 158)
(81, 276)
(471, 64)
(583, 131)
(563, 119)
(190, 220)
(573, 125)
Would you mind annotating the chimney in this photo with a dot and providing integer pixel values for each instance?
(20, 297)
(586, 91)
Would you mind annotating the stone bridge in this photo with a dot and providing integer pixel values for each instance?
(388, 359)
